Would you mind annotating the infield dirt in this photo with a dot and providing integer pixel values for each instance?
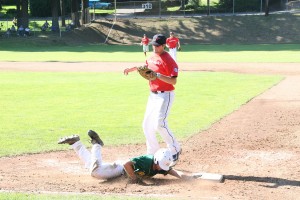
(256, 148)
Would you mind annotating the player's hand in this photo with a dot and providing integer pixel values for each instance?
(126, 71)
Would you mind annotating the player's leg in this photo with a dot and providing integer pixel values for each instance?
(145, 49)
(165, 104)
(82, 153)
(98, 168)
(173, 53)
(148, 126)
(78, 147)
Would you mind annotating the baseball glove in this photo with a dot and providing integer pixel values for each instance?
(147, 73)
(179, 48)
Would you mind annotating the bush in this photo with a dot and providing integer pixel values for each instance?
(11, 12)
(246, 5)
(9, 2)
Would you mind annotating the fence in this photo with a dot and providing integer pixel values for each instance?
(35, 26)
(184, 8)
(159, 8)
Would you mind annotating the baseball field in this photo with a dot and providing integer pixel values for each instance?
(236, 113)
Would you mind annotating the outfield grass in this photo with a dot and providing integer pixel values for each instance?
(17, 196)
(25, 51)
(38, 108)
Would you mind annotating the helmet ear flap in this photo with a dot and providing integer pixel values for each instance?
(155, 160)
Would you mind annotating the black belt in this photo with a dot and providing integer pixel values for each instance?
(157, 92)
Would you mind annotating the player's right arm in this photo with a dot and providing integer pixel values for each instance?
(179, 174)
(127, 70)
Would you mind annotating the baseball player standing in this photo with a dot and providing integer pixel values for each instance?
(160, 99)
(173, 44)
(145, 44)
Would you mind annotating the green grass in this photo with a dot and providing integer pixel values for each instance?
(38, 108)
(173, 8)
(17, 196)
(6, 8)
(102, 11)
(30, 50)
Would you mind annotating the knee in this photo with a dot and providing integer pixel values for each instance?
(161, 123)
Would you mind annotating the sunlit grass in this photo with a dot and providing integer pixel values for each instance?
(38, 108)
(175, 8)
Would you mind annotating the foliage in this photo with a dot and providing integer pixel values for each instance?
(40, 8)
(8, 11)
(239, 5)
(8, 2)
(43, 8)
(193, 4)
(244, 6)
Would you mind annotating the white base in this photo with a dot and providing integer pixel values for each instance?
(209, 176)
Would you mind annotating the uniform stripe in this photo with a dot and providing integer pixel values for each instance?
(169, 100)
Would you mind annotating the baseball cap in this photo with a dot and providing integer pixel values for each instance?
(158, 40)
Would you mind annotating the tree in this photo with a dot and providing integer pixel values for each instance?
(63, 13)
(267, 8)
(208, 7)
(85, 12)
(54, 11)
(75, 12)
(22, 13)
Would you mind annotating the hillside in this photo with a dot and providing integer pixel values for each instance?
(279, 28)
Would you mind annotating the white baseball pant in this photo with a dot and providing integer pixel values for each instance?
(173, 53)
(93, 162)
(146, 48)
(155, 120)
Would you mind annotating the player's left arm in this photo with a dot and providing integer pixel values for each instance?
(168, 79)
(178, 43)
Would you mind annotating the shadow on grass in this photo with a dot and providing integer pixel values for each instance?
(28, 45)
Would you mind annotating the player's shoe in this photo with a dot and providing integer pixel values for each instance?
(175, 158)
(69, 139)
(95, 138)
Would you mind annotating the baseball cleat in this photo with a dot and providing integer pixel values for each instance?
(95, 138)
(69, 139)
(175, 158)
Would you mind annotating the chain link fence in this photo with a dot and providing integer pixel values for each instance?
(186, 8)
(37, 27)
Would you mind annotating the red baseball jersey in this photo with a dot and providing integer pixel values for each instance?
(172, 42)
(145, 41)
(163, 64)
